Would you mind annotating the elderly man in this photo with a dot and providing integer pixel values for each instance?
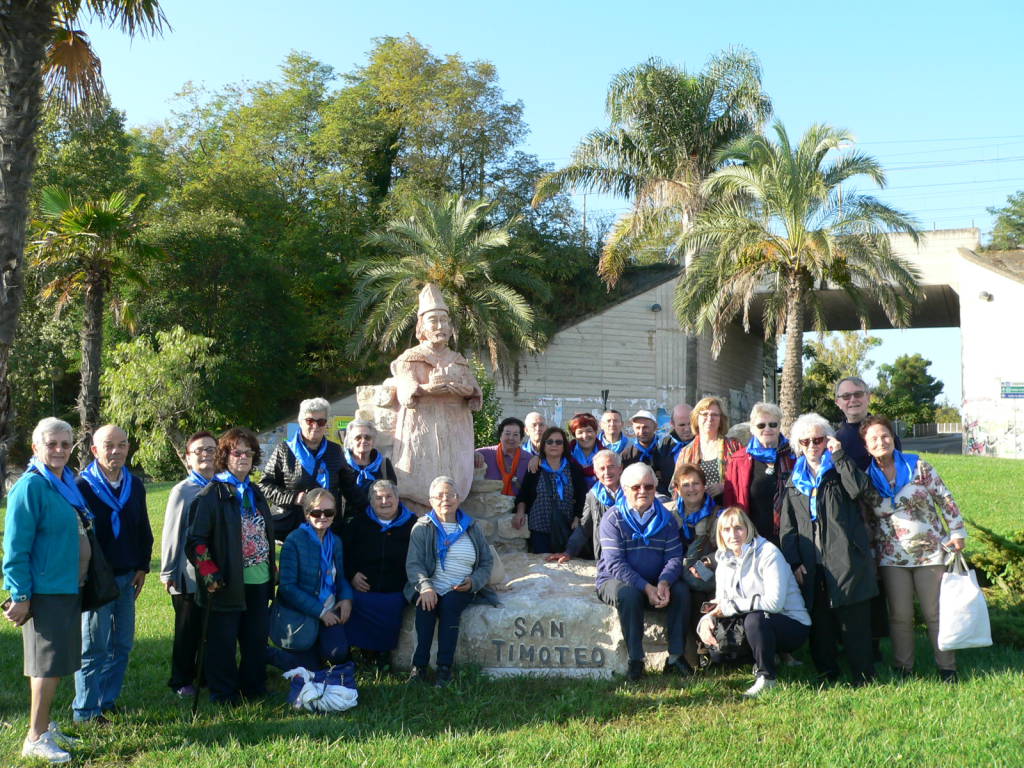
(606, 493)
(644, 447)
(853, 396)
(611, 436)
(641, 564)
(535, 426)
(117, 501)
(680, 436)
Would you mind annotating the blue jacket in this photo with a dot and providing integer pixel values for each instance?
(295, 617)
(40, 540)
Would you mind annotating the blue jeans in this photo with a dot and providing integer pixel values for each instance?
(446, 616)
(108, 634)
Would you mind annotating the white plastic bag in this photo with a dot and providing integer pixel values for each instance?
(963, 615)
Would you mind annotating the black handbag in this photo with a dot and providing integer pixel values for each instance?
(100, 587)
(732, 640)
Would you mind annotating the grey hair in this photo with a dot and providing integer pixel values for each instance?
(855, 380)
(314, 405)
(441, 480)
(50, 426)
(802, 428)
(609, 454)
(384, 485)
(634, 473)
(358, 423)
(771, 408)
(313, 496)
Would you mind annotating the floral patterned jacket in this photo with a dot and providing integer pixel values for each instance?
(908, 531)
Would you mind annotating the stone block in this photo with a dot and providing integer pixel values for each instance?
(506, 531)
(487, 506)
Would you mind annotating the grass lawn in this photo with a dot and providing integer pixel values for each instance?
(572, 723)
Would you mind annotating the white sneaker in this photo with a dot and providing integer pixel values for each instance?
(45, 748)
(60, 737)
(760, 685)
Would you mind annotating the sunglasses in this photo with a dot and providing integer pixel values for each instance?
(847, 396)
(769, 424)
(316, 422)
(554, 442)
(645, 486)
(816, 440)
(242, 454)
(321, 513)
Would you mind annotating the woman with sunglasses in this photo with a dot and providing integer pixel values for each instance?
(552, 497)
(756, 474)
(306, 461)
(231, 545)
(825, 540)
(314, 599)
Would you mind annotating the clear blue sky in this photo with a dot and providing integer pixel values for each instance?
(928, 88)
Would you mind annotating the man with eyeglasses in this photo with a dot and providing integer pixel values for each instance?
(640, 565)
(176, 572)
(117, 501)
(853, 396)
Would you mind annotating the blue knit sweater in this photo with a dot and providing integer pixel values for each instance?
(631, 561)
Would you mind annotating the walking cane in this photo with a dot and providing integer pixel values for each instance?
(201, 655)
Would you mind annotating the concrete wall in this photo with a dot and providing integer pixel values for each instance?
(936, 257)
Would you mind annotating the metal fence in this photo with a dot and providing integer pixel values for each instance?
(927, 430)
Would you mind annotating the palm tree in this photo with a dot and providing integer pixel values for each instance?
(88, 247)
(39, 42)
(666, 127)
(448, 243)
(778, 227)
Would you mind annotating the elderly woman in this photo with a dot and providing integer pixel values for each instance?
(376, 548)
(756, 474)
(552, 497)
(754, 583)
(584, 447)
(640, 567)
(449, 562)
(695, 512)
(917, 523)
(176, 572)
(506, 461)
(309, 460)
(46, 557)
(825, 539)
(231, 545)
(711, 450)
(314, 599)
(363, 466)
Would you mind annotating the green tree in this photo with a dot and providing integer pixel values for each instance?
(906, 390)
(1008, 230)
(486, 420)
(40, 45)
(447, 243)
(780, 228)
(89, 248)
(947, 413)
(666, 129)
(159, 391)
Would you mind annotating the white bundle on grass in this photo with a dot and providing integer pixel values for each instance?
(320, 696)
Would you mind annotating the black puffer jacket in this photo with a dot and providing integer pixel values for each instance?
(379, 556)
(842, 535)
(284, 479)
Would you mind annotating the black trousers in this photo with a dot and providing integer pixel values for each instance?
(446, 616)
(188, 627)
(771, 633)
(631, 603)
(248, 630)
(852, 623)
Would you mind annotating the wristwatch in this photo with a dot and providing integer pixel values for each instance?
(19, 598)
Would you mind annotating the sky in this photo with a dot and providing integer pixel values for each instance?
(926, 88)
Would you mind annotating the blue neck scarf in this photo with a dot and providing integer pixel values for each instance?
(763, 454)
(242, 487)
(326, 545)
(313, 465)
(94, 476)
(603, 495)
(64, 485)
(527, 447)
(197, 479)
(400, 519)
(906, 466)
(365, 475)
(446, 540)
(557, 474)
(644, 454)
(808, 484)
(689, 525)
(677, 445)
(619, 445)
(657, 521)
(581, 458)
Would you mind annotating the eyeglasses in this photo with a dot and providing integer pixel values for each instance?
(310, 422)
(644, 486)
(204, 450)
(769, 424)
(848, 396)
(554, 441)
(54, 445)
(321, 512)
(710, 415)
(445, 495)
(816, 440)
(362, 438)
(686, 485)
(242, 454)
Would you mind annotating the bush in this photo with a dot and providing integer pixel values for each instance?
(486, 420)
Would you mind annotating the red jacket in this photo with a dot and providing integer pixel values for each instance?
(740, 471)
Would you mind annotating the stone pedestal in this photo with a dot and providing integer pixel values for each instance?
(551, 622)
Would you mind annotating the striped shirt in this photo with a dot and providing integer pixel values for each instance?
(457, 565)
